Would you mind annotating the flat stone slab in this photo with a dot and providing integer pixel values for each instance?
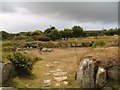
(59, 79)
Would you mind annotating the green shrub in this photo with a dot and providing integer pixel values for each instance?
(29, 39)
(98, 43)
(41, 38)
(19, 37)
(22, 63)
(44, 38)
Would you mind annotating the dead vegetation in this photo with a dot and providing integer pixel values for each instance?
(107, 57)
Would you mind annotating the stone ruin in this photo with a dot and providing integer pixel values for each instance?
(94, 73)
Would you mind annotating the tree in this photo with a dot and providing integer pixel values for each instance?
(66, 33)
(77, 31)
(41, 38)
(53, 33)
(36, 32)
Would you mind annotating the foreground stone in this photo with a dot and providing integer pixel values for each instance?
(101, 77)
(114, 73)
(6, 69)
(85, 73)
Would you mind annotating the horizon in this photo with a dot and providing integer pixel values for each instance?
(57, 29)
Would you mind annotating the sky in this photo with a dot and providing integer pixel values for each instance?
(30, 16)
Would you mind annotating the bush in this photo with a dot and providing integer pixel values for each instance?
(22, 63)
(29, 39)
(44, 38)
(19, 37)
(98, 43)
(40, 38)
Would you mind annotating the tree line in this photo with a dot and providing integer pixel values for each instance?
(52, 33)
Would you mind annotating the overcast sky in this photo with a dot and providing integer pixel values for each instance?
(29, 16)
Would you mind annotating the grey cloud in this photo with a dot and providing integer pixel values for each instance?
(105, 12)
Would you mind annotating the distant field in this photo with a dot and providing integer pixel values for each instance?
(9, 44)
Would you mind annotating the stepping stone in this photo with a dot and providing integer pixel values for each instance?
(50, 65)
(47, 82)
(65, 82)
(58, 70)
(55, 62)
(59, 79)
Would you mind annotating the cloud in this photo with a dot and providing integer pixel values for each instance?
(34, 15)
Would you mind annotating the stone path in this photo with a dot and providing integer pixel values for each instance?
(57, 69)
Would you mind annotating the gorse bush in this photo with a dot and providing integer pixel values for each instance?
(98, 43)
(22, 63)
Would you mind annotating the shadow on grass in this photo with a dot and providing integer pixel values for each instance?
(10, 83)
(15, 81)
(28, 77)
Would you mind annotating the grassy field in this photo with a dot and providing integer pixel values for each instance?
(65, 59)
